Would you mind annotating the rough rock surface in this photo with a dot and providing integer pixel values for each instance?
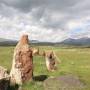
(66, 82)
(22, 66)
(50, 60)
(4, 79)
(35, 51)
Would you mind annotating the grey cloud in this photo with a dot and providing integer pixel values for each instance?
(25, 5)
(48, 14)
(66, 6)
(71, 8)
(7, 11)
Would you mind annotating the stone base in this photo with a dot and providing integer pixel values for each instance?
(4, 84)
(4, 79)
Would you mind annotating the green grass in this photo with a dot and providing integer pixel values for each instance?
(74, 61)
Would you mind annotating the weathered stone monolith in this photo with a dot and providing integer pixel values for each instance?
(22, 65)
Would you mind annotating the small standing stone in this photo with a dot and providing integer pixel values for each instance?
(50, 60)
(35, 51)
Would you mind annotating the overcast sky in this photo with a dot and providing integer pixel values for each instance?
(45, 20)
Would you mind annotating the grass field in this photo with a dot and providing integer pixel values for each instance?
(75, 61)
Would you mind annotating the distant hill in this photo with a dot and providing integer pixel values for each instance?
(70, 41)
(80, 41)
(2, 39)
(4, 42)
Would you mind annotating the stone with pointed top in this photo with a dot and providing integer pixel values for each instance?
(22, 65)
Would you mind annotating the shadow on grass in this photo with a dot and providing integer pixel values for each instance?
(40, 78)
(15, 87)
(35, 78)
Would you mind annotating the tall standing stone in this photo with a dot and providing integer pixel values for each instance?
(22, 65)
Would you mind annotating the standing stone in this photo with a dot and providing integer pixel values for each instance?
(35, 51)
(50, 60)
(22, 66)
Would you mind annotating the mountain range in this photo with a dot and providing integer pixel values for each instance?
(7, 42)
(80, 41)
(70, 41)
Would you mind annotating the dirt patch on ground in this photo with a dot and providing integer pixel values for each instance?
(66, 82)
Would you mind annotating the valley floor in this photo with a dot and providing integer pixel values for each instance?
(74, 61)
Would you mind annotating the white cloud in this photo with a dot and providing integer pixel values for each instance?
(13, 29)
(45, 20)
